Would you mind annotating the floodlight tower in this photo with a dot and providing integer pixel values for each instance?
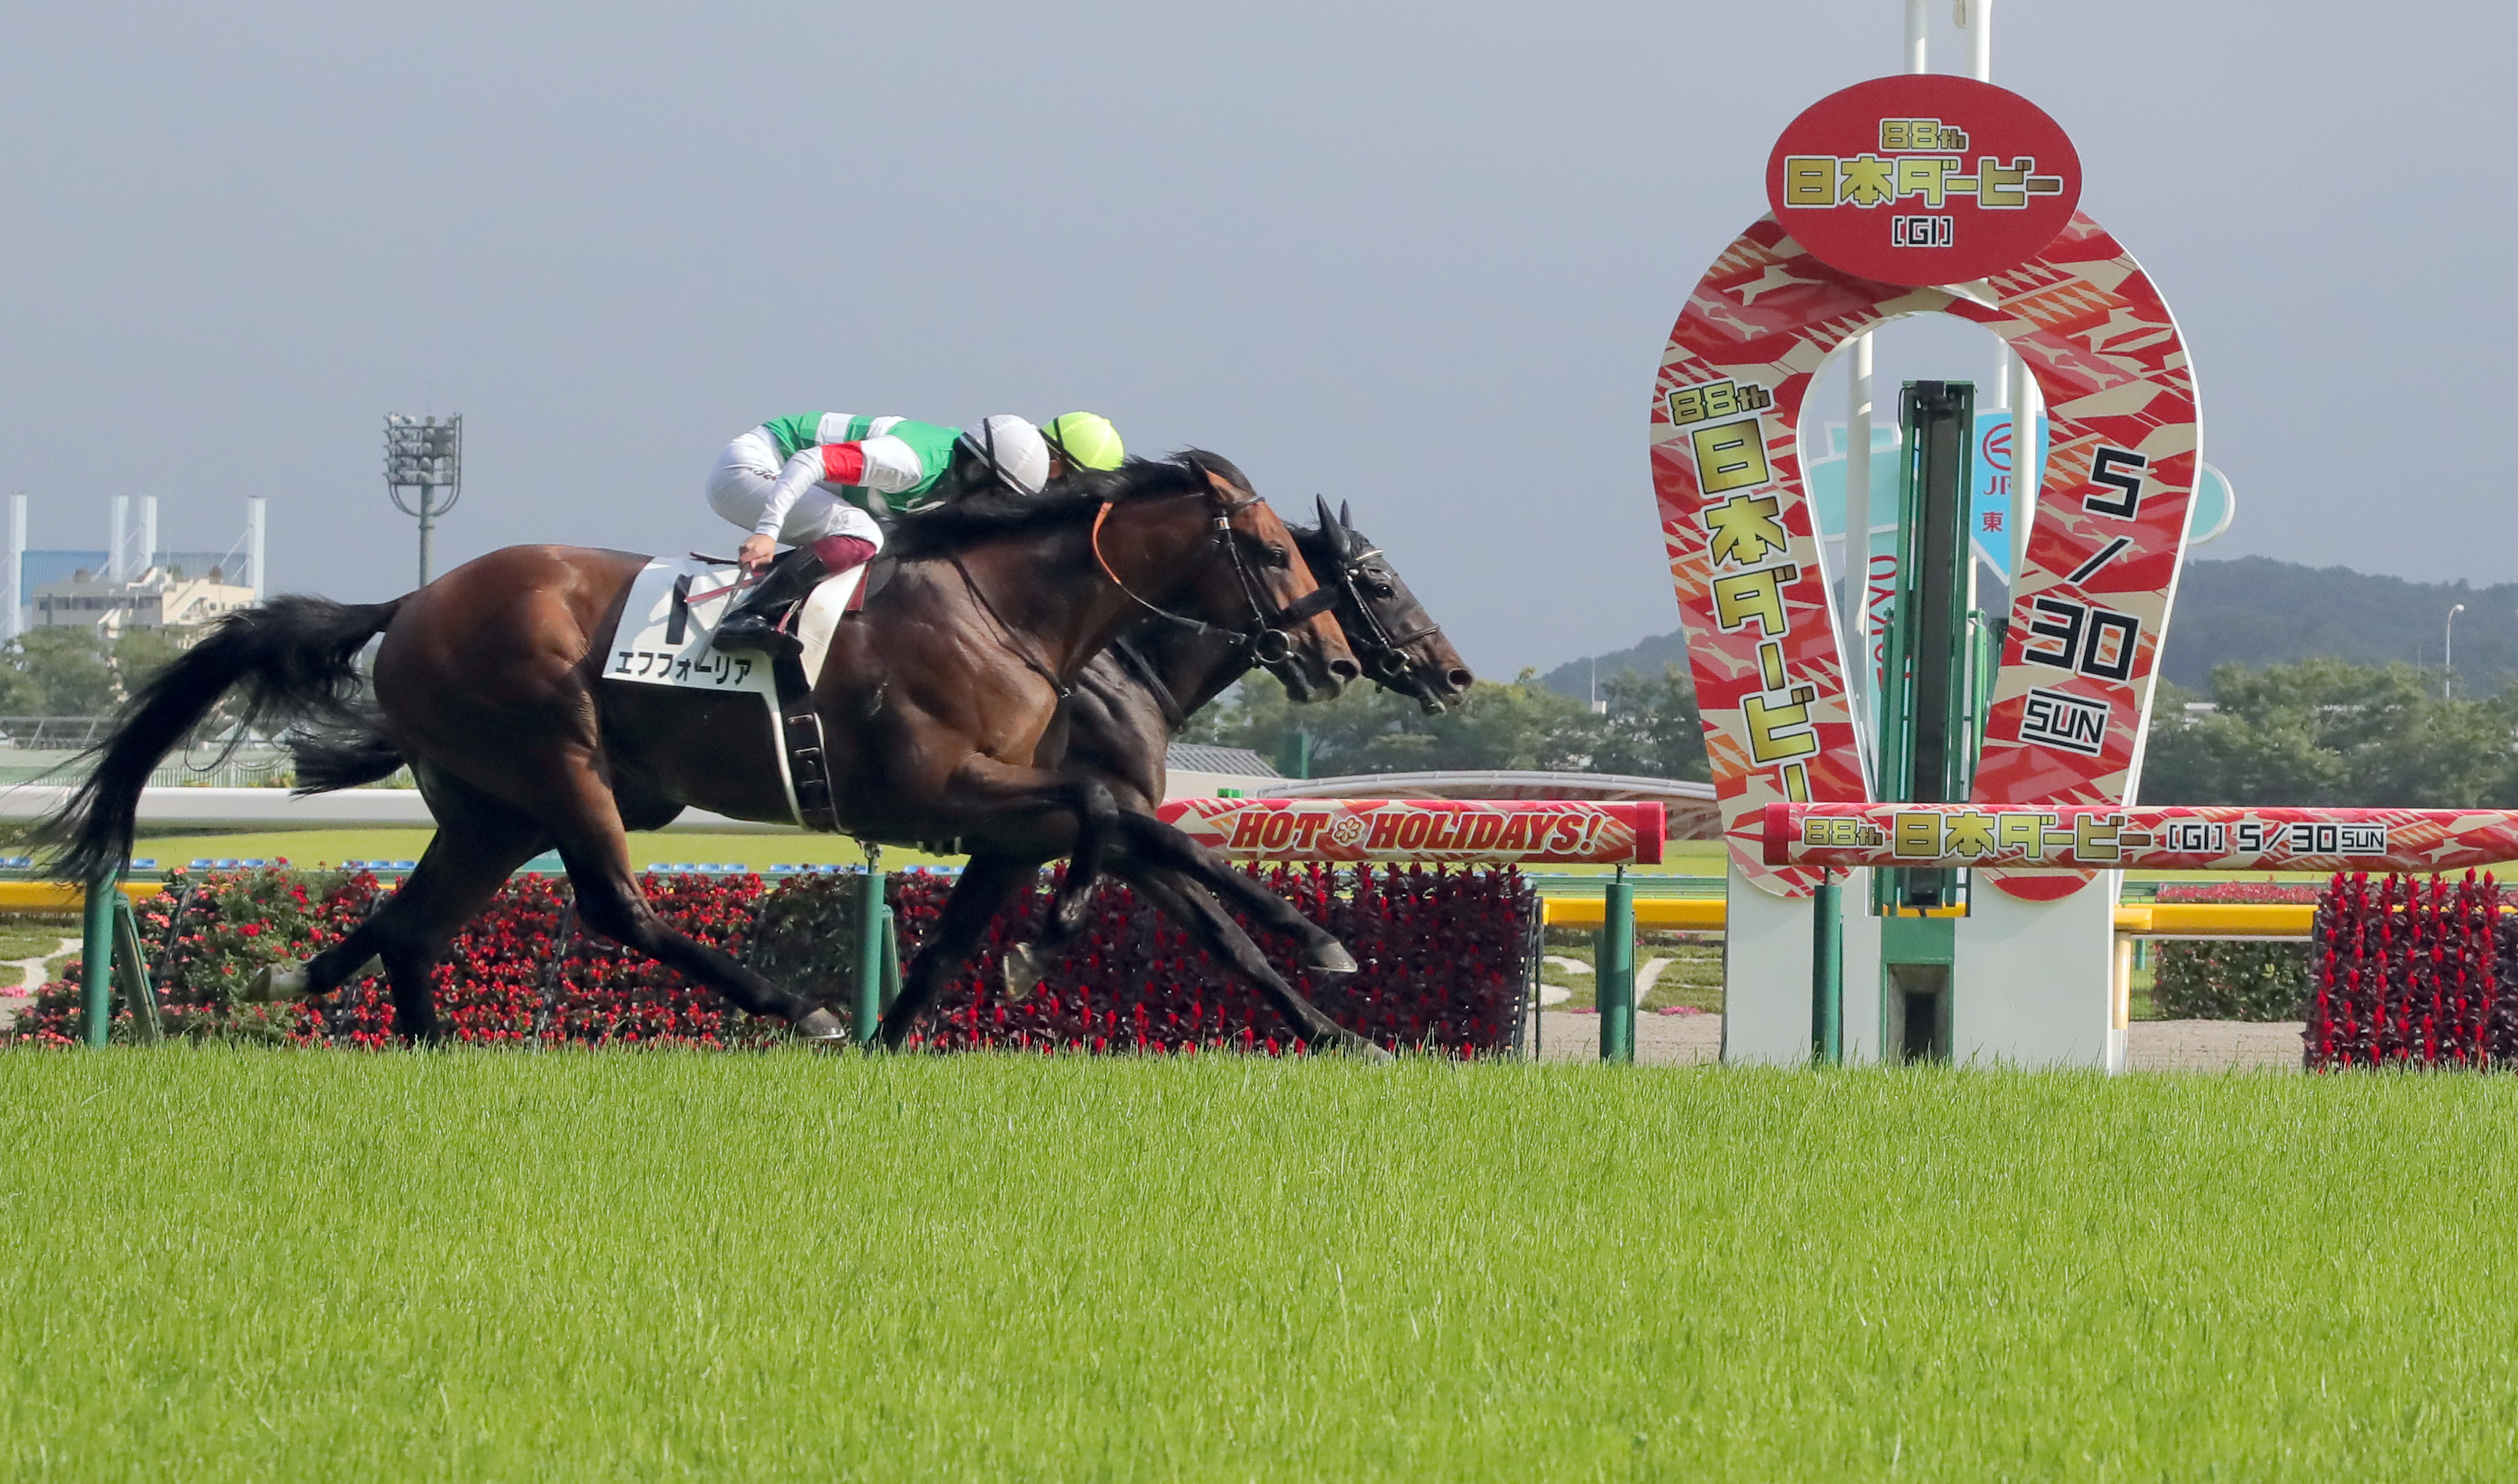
(424, 457)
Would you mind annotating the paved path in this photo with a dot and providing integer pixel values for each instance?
(14, 998)
(2156, 1046)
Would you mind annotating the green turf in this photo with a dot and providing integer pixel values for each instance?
(275, 1265)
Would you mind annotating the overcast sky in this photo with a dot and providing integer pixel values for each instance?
(1419, 257)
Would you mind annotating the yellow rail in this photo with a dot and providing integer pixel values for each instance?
(1683, 914)
(61, 896)
(2156, 919)
(2217, 919)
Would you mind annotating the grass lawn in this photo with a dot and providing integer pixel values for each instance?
(290, 1265)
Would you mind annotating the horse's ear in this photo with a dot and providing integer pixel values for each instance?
(1346, 514)
(1230, 491)
(1328, 523)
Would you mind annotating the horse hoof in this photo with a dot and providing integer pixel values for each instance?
(1370, 1052)
(821, 1027)
(1331, 957)
(276, 982)
(1025, 970)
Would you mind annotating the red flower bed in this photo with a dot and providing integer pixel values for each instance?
(2297, 894)
(2410, 971)
(1443, 955)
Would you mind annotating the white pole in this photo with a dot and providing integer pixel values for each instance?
(1856, 626)
(148, 552)
(1915, 46)
(254, 514)
(17, 576)
(1977, 16)
(2447, 655)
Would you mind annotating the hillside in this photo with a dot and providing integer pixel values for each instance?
(2254, 611)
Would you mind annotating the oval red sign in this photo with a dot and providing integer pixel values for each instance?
(1924, 178)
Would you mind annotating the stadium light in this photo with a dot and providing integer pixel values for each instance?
(425, 459)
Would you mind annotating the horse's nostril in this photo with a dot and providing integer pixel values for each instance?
(1345, 670)
(1462, 679)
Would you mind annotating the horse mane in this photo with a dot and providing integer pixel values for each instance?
(984, 515)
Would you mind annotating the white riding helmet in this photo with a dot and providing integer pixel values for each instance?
(1011, 450)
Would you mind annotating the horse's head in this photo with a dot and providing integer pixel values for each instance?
(1402, 648)
(1259, 586)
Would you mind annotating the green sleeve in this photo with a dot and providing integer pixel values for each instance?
(794, 434)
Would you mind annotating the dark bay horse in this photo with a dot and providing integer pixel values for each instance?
(935, 700)
(1129, 703)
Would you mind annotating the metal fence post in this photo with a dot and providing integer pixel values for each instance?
(131, 966)
(890, 957)
(1614, 971)
(1827, 972)
(870, 924)
(96, 958)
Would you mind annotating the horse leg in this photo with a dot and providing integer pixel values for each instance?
(988, 791)
(478, 842)
(1180, 899)
(581, 814)
(1158, 844)
(986, 882)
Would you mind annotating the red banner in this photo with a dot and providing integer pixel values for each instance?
(2197, 837)
(1924, 178)
(1461, 831)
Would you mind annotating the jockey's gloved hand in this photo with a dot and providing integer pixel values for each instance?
(756, 551)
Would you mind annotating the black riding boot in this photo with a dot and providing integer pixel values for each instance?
(752, 622)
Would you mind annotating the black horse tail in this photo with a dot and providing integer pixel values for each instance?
(296, 658)
(344, 755)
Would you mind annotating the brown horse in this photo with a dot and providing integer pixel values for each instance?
(1131, 702)
(934, 700)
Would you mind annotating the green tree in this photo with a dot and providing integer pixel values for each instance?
(74, 671)
(2327, 732)
(70, 671)
(1652, 727)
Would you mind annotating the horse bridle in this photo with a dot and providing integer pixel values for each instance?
(1267, 637)
(1389, 658)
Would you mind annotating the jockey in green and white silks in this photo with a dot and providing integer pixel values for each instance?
(822, 482)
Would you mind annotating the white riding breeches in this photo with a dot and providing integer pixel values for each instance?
(746, 476)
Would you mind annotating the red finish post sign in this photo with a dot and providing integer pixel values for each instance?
(1924, 178)
(1459, 831)
(2196, 837)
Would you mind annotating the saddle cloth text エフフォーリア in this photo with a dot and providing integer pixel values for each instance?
(674, 608)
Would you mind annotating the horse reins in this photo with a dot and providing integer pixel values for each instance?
(1267, 639)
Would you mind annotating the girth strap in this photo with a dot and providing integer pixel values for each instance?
(808, 766)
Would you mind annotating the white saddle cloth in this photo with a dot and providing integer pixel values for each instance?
(674, 608)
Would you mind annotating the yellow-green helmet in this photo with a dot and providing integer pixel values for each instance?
(1086, 440)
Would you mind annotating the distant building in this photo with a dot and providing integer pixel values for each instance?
(161, 597)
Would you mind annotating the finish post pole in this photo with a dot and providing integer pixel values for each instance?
(95, 959)
(1856, 626)
(870, 925)
(1827, 972)
(1614, 969)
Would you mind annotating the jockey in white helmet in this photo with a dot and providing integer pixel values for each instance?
(821, 482)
